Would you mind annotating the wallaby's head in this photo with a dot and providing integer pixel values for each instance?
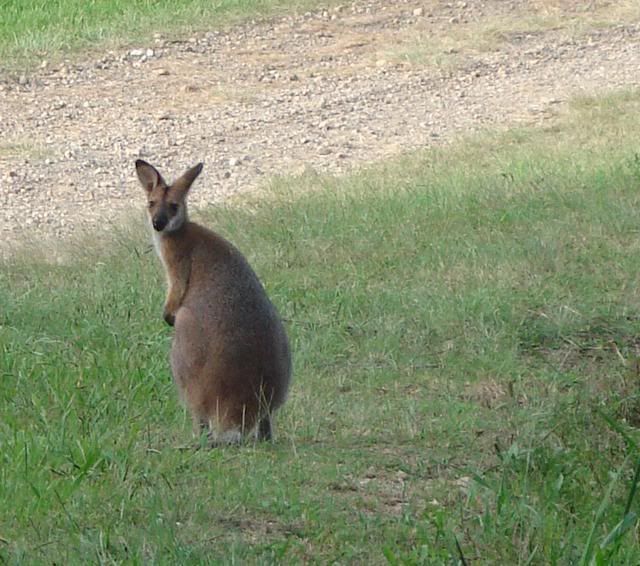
(167, 204)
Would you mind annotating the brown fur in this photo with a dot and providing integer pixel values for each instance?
(230, 354)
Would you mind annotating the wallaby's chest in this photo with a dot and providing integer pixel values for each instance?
(175, 258)
(157, 246)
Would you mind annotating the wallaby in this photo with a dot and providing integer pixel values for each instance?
(230, 354)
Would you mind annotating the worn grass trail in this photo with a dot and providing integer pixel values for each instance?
(465, 326)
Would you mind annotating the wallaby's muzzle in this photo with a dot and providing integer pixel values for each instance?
(159, 222)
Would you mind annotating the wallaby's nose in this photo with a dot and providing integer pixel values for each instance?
(159, 222)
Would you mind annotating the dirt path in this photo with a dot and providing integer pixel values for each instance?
(327, 90)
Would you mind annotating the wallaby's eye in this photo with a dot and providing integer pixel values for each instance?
(173, 207)
(152, 203)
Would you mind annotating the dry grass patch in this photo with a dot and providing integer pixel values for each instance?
(449, 40)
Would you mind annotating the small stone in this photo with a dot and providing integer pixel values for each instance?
(233, 162)
(162, 72)
(418, 12)
(227, 174)
(22, 80)
(136, 53)
(149, 53)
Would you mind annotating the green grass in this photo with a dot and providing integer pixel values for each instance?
(32, 30)
(465, 328)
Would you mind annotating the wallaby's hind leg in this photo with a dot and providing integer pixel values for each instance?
(264, 428)
(202, 426)
(210, 437)
(231, 437)
(202, 432)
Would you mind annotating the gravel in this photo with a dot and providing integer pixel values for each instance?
(326, 90)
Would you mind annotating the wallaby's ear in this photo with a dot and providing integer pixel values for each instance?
(148, 175)
(184, 183)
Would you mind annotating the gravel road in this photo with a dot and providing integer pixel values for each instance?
(327, 90)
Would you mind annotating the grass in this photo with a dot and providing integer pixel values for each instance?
(23, 147)
(465, 326)
(33, 30)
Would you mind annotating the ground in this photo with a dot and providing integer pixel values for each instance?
(327, 91)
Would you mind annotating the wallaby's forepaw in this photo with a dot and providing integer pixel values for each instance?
(169, 317)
